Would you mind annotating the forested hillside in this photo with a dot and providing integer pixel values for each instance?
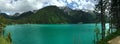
(52, 15)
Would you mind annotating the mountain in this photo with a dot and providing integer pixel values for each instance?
(53, 15)
(46, 15)
(18, 15)
(78, 16)
(4, 15)
(3, 18)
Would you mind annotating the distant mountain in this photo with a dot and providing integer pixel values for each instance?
(3, 18)
(19, 16)
(54, 15)
(4, 15)
(78, 16)
(46, 15)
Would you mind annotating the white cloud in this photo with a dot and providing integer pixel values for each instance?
(69, 1)
(57, 3)
(11, 6)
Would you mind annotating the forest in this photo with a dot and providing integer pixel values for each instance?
(65, 15)
(106, 11)
(110, 8)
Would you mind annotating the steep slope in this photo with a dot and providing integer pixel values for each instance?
(78, 16)
(47, 15)
(53, 15)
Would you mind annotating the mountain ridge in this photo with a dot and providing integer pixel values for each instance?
(53, 15)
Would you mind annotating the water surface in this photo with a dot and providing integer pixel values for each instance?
(52, 33)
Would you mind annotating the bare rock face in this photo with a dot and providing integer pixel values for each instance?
(115, 40)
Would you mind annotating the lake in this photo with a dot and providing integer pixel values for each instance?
(52, 33)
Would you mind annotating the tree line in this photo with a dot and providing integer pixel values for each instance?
(111, 8)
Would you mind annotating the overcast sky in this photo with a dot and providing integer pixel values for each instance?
(13, 6)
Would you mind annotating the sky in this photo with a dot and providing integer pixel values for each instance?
(19, 6)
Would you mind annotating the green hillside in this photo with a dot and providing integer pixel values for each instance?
(51, 15)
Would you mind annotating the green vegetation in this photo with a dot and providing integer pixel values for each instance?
(51, 15)
(4, 21)
(46, 15)
(113, 11)
(109, 37)
(3, 39)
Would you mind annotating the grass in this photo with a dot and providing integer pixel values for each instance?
(109, 37)
(4, 40)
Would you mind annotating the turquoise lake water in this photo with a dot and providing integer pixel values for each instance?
(52, 33)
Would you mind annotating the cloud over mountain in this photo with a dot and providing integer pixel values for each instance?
(13, 6)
